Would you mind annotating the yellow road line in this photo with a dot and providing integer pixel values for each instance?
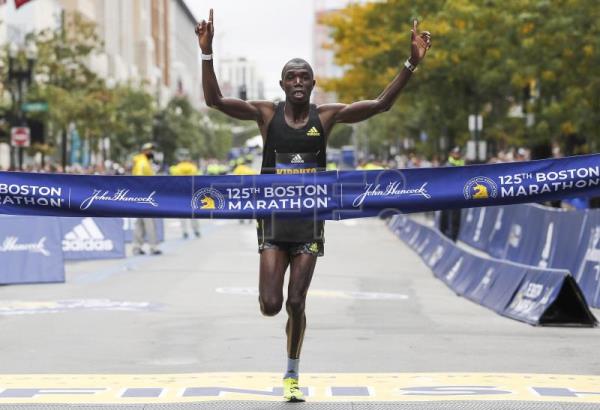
(334, 387)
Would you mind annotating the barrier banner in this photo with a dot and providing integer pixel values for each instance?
(524, 236)
(92, 238)
(468, 220)
(433, 249)
(587, 273)
(535, 235)
(501, 230)
(530, 294)
(480, 287)
(547, 297)
(558, 239)
(325, 195)
(128, 226)
(477, 226)
(30, 250)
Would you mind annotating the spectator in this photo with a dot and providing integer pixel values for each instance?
(145, 228)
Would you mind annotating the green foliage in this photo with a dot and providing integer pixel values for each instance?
(125, 113)
(340, 136)
(485, 54)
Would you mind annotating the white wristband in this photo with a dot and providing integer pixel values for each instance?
(412, 68)
(206, 57)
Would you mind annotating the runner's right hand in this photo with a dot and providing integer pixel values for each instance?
(205, 32)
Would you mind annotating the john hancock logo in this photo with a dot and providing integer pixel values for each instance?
(480, 188)
(207, 199)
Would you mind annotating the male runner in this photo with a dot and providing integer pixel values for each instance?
(295, 137)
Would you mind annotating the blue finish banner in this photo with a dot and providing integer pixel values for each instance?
(324, 195)
(92, 238)
(30, 250)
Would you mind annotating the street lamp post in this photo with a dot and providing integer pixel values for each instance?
(19, 78)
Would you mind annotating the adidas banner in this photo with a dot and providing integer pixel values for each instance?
(324, 195)
(92, 238)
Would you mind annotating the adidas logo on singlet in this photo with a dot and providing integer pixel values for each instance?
(297, 159)
(313, 132)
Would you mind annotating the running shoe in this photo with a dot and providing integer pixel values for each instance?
(291, 391)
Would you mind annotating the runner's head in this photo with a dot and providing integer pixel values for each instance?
(297, 80)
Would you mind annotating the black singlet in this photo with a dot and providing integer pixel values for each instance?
(293, 150)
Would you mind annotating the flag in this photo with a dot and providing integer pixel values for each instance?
(19, 3)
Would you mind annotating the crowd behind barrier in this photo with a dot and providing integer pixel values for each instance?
(37, 254)
(540, 236)
(535, 295)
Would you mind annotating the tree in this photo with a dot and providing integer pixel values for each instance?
(77, 95)
(485, 53)
(178, 126)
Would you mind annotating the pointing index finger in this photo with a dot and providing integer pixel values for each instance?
(210, 16)
(415, 23)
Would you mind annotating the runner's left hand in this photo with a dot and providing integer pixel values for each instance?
(420, 43)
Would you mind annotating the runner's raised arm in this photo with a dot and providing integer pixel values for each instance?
(362, 110)
(234, 107)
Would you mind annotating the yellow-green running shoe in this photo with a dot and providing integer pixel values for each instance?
(291, 391)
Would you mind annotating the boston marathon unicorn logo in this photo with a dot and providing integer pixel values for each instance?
(208, 199)
(480, 188)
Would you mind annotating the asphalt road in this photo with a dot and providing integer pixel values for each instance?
(374, 308)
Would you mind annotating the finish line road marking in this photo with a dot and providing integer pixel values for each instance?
(335, 387)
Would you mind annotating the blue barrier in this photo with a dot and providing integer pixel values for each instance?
(32, 255)
(539, 296)
(534, 235)
(92, 238)
(524, 235)
(587, 273)
(546, 297)
(501, 230)
(478, 227)
(559, 239)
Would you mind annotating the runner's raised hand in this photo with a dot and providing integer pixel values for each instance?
(205, 32)
(420, 43)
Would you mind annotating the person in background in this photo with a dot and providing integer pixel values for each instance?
(450, 218)
(145, 228)
(455, 158)
(243, 168)
(186, 167)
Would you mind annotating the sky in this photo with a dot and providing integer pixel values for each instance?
(269, 32)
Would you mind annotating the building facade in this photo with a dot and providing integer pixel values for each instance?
(238, 77)
(323, 57)
(185, 73)
(146, 42)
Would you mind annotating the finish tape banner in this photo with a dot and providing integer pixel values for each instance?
(325, 195)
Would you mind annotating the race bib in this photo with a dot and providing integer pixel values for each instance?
(296, 163)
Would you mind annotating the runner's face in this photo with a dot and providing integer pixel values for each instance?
(297, 83)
